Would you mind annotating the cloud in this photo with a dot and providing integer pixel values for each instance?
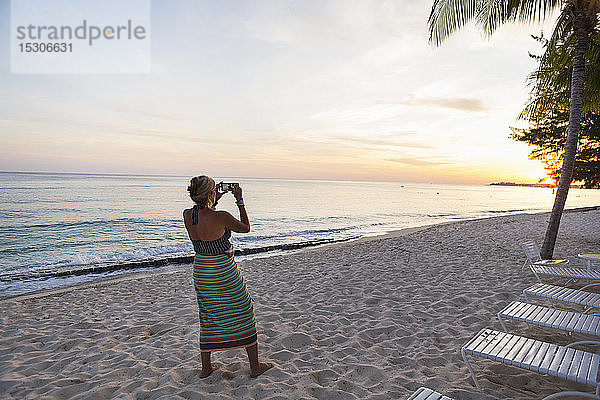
(381, 142)
(147, 112)
(457, 103)
(418, 162)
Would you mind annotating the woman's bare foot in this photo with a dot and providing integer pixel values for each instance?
(262, 367)
(205, 373)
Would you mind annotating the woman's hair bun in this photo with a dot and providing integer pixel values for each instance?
(200, 189)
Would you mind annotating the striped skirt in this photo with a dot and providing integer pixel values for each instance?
(225, 307)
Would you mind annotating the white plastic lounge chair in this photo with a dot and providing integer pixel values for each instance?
(562, 272)
(589, 259)
(424, 393)
(579, 395)
(532, 252)
(533, 355)
(553, 268)
(568, 295)
(551, 318)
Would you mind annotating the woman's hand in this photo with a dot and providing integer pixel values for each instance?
(218, 192)
(237, 192)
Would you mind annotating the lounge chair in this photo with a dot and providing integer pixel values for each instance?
(424, 393)
(537, 356)
(579, 395)
(554, 268)
(532, 252)
(551, 318)
(562, 272)
(568, 295)
(589, 259)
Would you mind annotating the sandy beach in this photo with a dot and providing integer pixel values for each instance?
(370, 319)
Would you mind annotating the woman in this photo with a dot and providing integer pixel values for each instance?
(226, 312)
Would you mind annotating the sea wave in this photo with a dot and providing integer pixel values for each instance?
(92, 222)
(514, 210)
(144, 259)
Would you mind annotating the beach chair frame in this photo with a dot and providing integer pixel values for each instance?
(424, 393)
(563, 272)
(571, 394)
(544, 267)
(533, 355)
(563, 294)
(569, 321)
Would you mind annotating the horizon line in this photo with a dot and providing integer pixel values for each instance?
(238, 177)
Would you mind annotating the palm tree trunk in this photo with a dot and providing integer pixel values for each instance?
(566, 172)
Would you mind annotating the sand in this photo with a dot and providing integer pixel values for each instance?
(370, 319)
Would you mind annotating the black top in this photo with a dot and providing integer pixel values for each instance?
(214, 247)
(210, 247)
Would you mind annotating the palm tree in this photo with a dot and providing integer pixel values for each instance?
(576, 23)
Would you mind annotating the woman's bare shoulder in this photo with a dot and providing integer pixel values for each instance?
(223, 214)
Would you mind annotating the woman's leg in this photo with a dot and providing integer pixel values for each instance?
(256, 368)
(207, 367)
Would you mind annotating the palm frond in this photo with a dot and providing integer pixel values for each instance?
(534, 10)
(493, 13)
(563, 26)
(447, 16)
(551, 82)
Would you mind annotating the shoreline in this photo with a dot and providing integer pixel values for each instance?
(173, 267)
(109, 267)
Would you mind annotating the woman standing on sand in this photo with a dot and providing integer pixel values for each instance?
(226, 312)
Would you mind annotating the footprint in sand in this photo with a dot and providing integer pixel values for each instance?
(296, 341)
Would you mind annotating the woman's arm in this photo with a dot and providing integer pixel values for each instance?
(233, 223)
(239, 201)
(243, 224)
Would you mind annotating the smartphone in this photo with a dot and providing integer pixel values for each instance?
(227, 187)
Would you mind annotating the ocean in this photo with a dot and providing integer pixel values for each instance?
(62, 229)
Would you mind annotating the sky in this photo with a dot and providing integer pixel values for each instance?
(340, 89)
